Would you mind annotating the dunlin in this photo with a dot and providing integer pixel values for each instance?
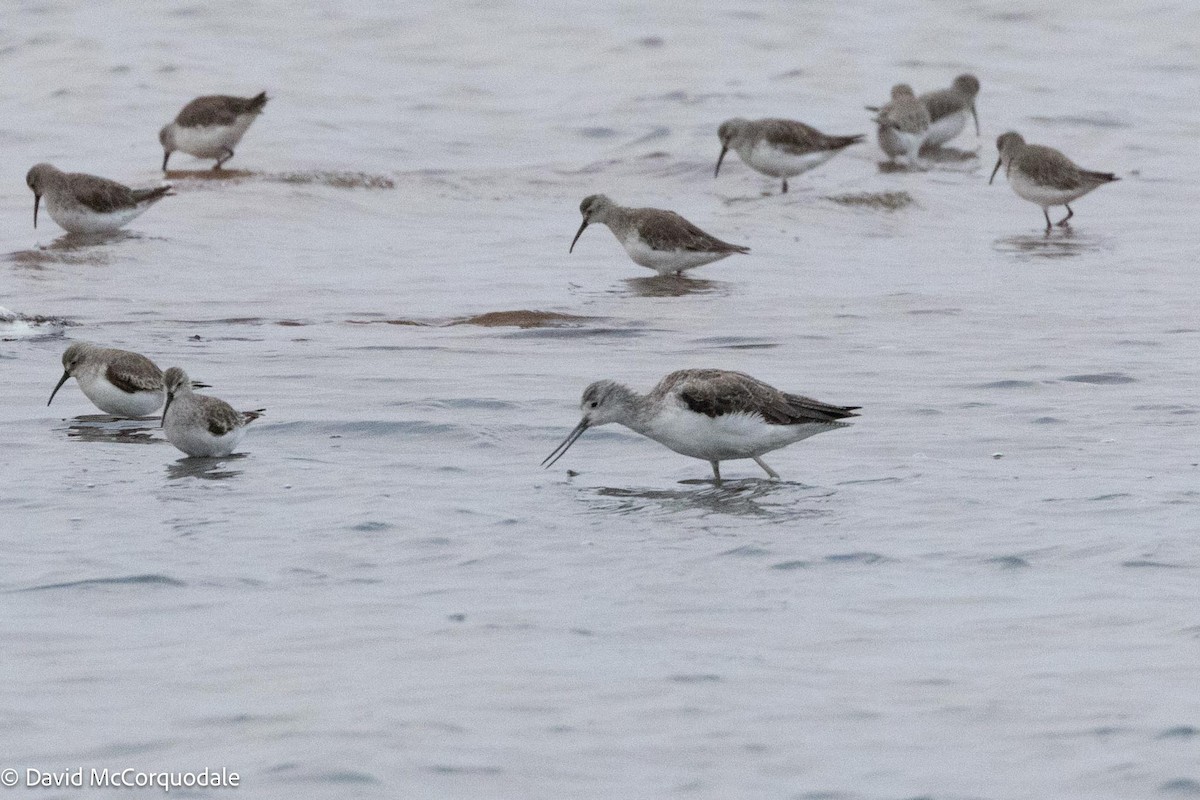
(211, 126)
(200, 425)
(781, 148)
(661, 240)
(710, 414)
(82, 203)
(1044, 176)
(903, 124)
(948, 110)
(118, 382)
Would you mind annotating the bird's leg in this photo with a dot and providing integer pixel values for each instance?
(1062, 223)
(716, 465)
(1046, 214)
(772, 473)
(785, 185)
(221, 161)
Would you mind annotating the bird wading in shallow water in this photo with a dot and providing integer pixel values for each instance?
(711, 414)
(118, 382)
(1044, 176)
(210, 127)
(903, 125)
(781, 148)
(661, 240)
(82, 203)
(200, 425)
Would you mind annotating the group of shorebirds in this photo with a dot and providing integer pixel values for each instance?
(714, 415)
(120, 382)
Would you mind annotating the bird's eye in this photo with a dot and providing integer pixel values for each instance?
(593, 404)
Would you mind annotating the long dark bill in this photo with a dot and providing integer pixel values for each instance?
(167, 155)
(577, 235)
(59, 386)
(163, 422)
(976, 116)
(720, 158)
(557, 452)
(999, 161)
(37, 198)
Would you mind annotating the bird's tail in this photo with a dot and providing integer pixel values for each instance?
(250, 416)
(257, 102)
(1100, 177)
(845, 141)
(150, 195)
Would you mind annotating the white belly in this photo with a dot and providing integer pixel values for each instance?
(1044, 196)
(119, 403)
(946, 128)
(899, 143)
(666, 262)
(79, 219)
(770, 160)
(729, 436)
(198, 441)
(211, 141)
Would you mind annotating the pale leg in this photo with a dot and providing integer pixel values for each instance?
(772, 473)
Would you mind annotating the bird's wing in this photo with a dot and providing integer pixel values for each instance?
(800, 139)
(220, 415)
(667, 231)
(218, 109)
(100, 194)
(942, 103)
(1047, 166)
(131, 373)
(715, 393)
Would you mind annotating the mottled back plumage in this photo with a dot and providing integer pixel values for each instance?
(714, 392)
(1049, 167)
(219, 109)
(798, 138)
(904, 112)
(666, 230)
(132, 372)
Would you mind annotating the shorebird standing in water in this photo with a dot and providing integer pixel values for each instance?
(118, 382)
(781, 148)
(1044, 176)
(211, 126)
(903, 124)
(82, 203)
(661, 240)
(710, 414)
(200, 425)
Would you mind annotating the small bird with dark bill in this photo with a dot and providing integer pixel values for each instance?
(781, 148)
(211, 126)
(903, 125)
(118, 382)
(660, 240)
(1044, 176)
(711, 414)
(949, 108)
(82, 203)
(200, 425)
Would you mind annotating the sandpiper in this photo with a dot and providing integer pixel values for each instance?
(781, 148)
(710, 414)
(82, 203)
(118, 382)
(211, 126)
(903, 124)
(661, 240)
(948, 110)
(1044, 176)
(200, 425)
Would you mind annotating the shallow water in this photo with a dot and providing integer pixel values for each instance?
(985, 588)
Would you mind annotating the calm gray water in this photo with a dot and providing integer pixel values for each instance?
(986, 588)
